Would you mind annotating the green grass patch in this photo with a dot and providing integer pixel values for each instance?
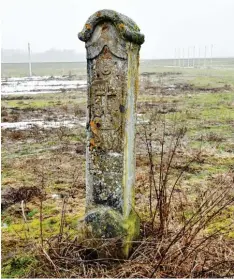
(18, 267)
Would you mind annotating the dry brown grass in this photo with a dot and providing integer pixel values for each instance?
(187, 240)
(188, 250)
(182, 235)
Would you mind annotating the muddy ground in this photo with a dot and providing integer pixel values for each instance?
(43, 156)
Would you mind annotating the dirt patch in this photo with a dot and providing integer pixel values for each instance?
(11, 195)
(160, 74)
(178, 88)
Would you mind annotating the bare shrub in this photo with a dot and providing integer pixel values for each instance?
(11, 195)
(64, 108)
(214, 137)
(78, 111)
(162, 141)
(61, 132)
(15, 116)
(181, 235)
(191, 249)
(4, 112)
(16, 134)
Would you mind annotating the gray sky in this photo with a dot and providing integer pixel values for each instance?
(167, 24)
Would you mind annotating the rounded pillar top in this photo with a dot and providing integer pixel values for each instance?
(126, 26)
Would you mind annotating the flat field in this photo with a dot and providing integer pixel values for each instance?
(79, 68)
(186, 114)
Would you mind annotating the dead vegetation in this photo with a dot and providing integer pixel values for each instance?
(12, 195)
(182, 233)
(186, 229)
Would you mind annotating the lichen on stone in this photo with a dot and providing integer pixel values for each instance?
(126, 26)
(112, 42)
(104, 222)
(88, 26)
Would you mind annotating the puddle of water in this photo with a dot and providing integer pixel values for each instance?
(35, 85)
(24, 125)
(141, 120)
(4, 226)
(56, 196)
(69, 123)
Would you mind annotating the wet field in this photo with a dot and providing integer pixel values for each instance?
(39, 84)
(43, 121)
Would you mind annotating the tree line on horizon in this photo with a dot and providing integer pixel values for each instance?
(51, 55)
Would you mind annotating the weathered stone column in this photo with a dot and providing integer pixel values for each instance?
(113, 43)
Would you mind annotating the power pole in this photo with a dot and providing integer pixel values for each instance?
(188, 56)
(183, 58)
(205, 58)
(179, 57)
(211, 55)
(193, 56)
(29, 60)
(175, 58)
(199, 57)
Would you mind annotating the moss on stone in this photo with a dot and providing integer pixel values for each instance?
(106, 223)
(126, 26)
(132, 226)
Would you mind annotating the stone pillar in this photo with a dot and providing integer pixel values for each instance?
(112, 41)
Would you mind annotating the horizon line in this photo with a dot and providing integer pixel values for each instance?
(82, 61)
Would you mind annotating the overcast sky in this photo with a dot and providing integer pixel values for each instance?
(167, 24)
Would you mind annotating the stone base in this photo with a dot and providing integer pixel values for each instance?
(107, 226)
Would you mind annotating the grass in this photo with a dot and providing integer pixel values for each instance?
(43, 69)
(46, 101)
(55, 164)
(79, 68)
